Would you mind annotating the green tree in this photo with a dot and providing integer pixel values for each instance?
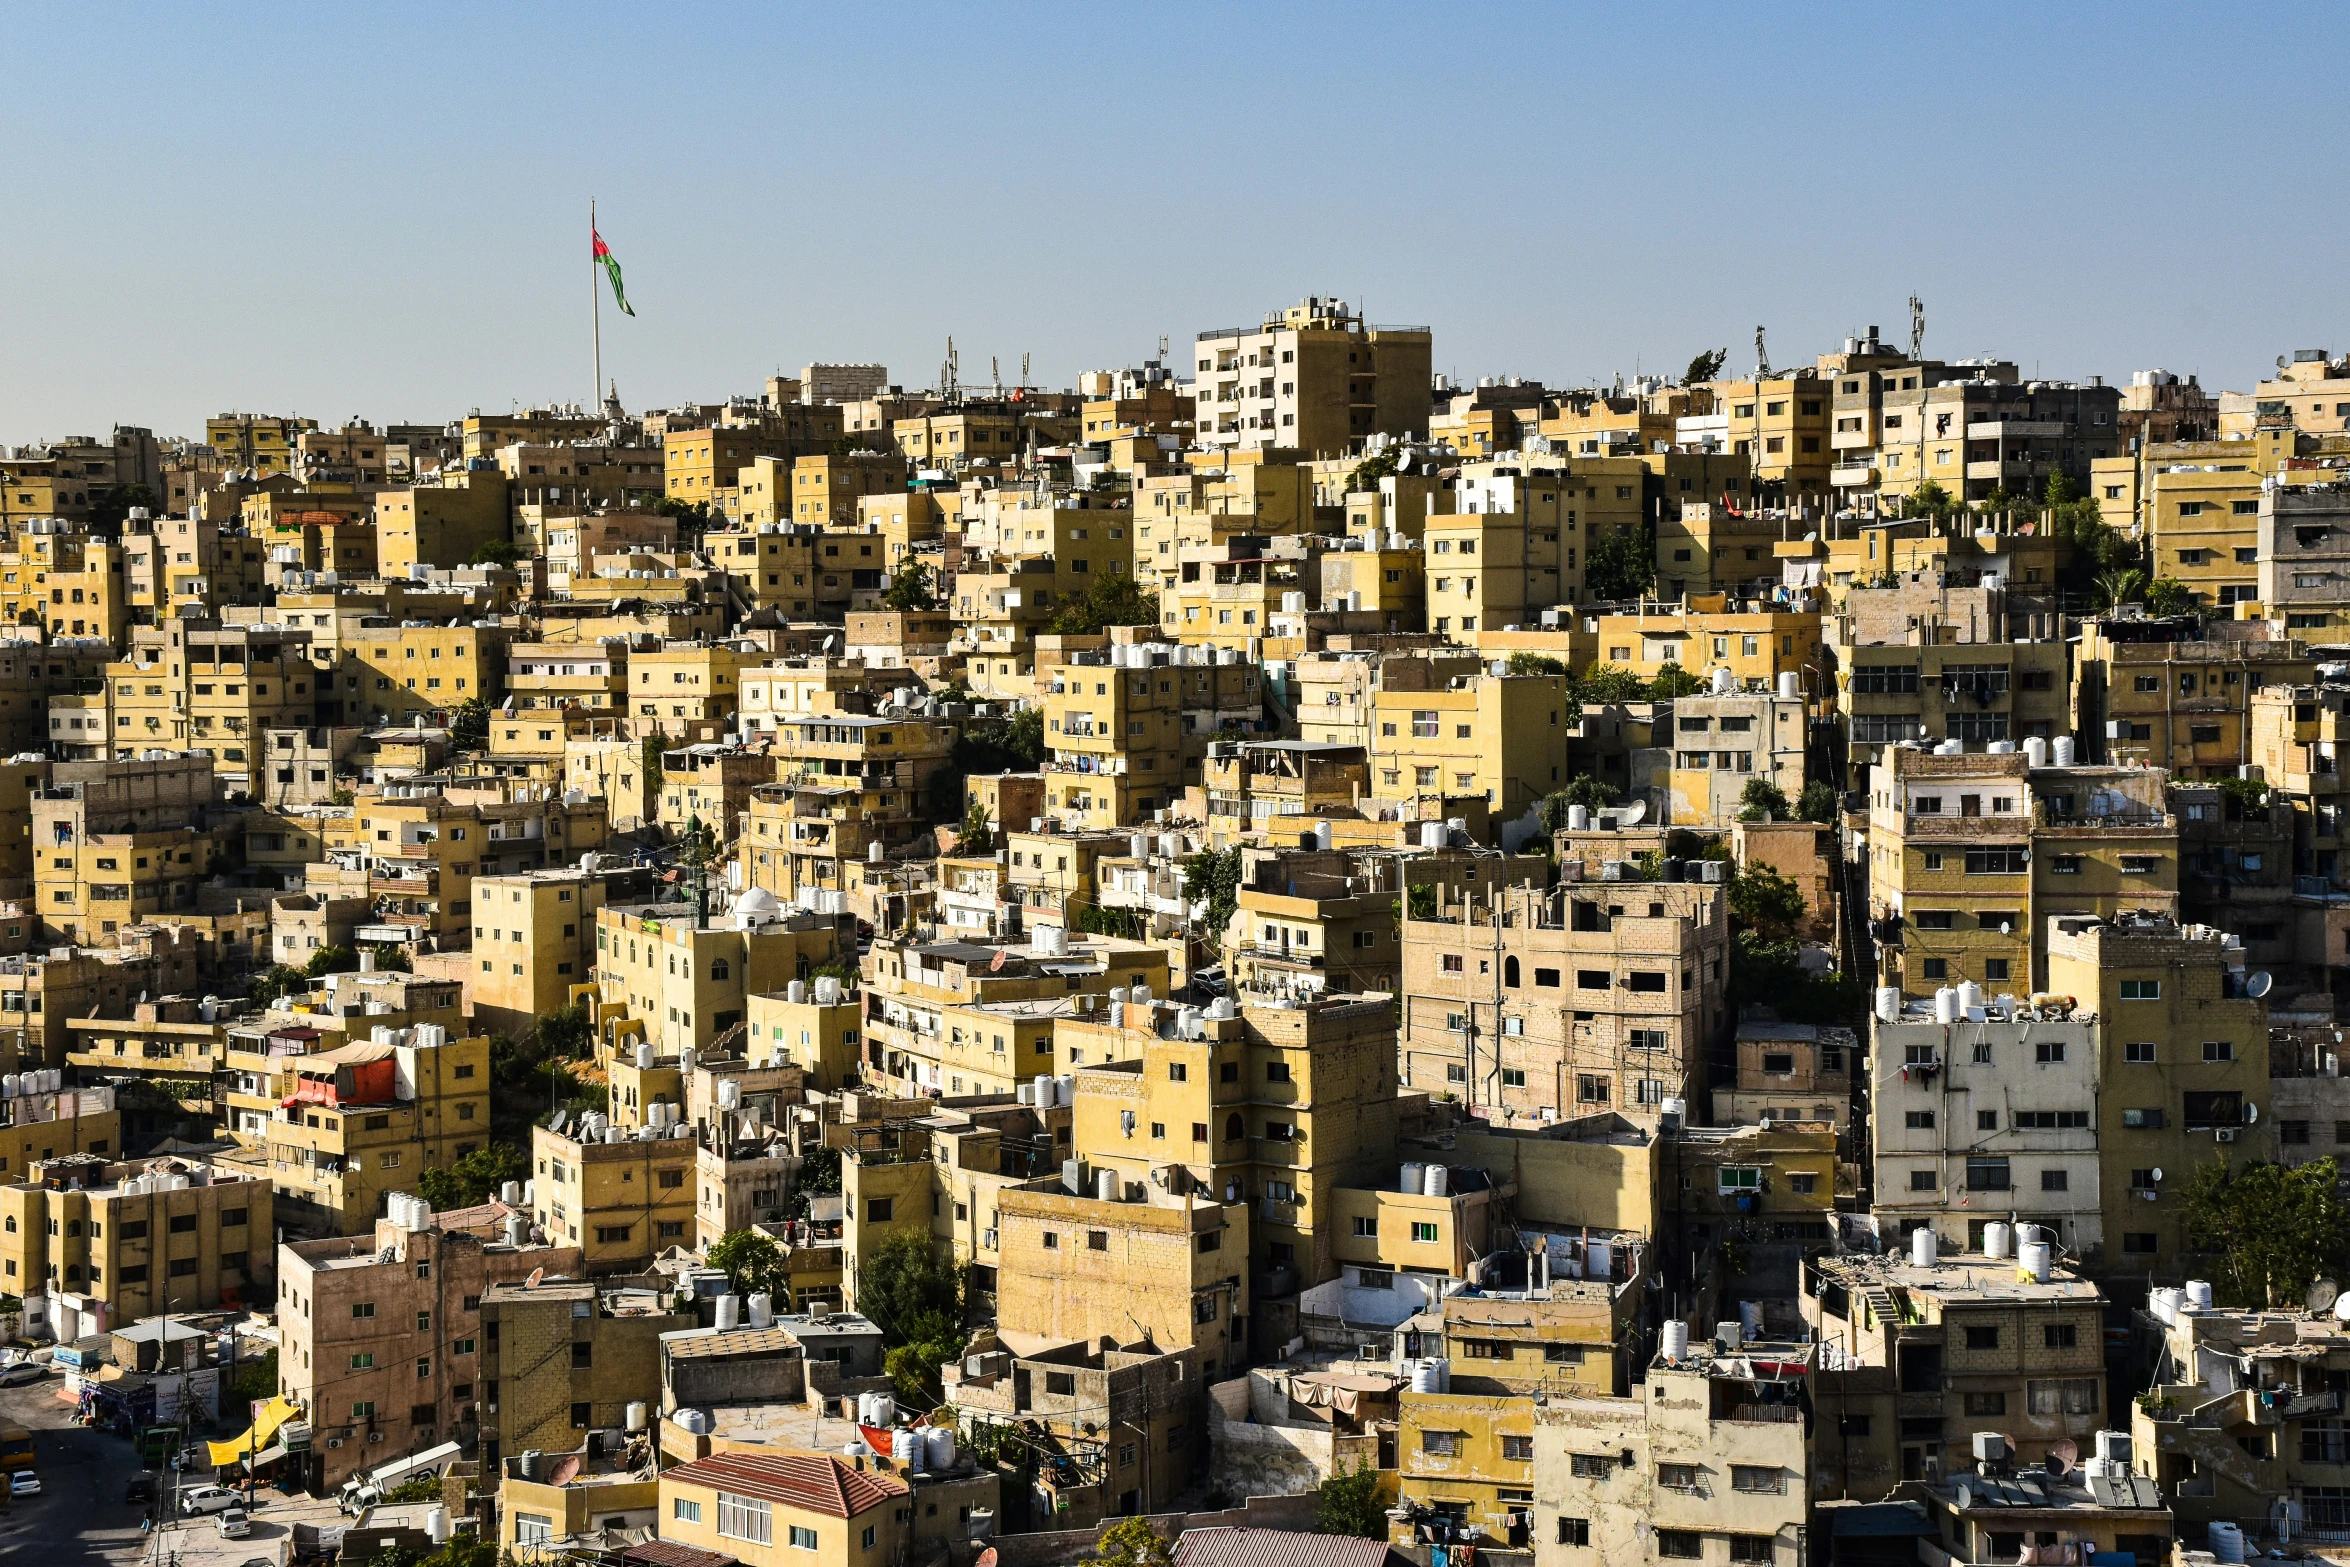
(915, 1296)
(1131, 1542)
(817, 1176)
(1024, 736)
(475, 1177)
(2275, 1229)
(1672, 681)
(1348, 1502)
(331, 960)
(390, 959)
(1620, 566)
(977, 836)
(1112, 598)
(1583, 790)
(649, 752)
(426, 1488)
(2169, 596)
(2117, 585)
(1765, 902)
(2245, 797)
(1706, 365)
(1213, 876)
(113, 508)
(1762, 801)
(1611, 683)
(469, 726)
(1529, 663)
(278, 982)
(1818, 802)
(1930, 500)
(910, 586)
(753, 1264)
(567, 1032)
(496, 552)
(1371, 470)
(255, 1378)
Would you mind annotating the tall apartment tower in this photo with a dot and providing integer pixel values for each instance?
(1315, 378)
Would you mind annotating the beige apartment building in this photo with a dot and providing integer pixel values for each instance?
(533, 946)
(380, 1335)
(1315, 378)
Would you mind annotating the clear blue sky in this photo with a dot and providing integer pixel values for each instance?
(382, 211)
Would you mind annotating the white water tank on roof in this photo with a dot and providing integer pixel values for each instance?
(2035, 751)
(729, 1312)
(2198, 1294)
(796, 992)
(1997, 1239)
(1790, 685)
(762, 1310)
(1888, 1003)
(1414, 1172)
(1105, 1185)
(730, 1093)
(1578, 818)
(1435, 1181)
(1675, 1347)
(1432, 835)
(1724, 682)
(644, 1056)
(1922, 1246)
(827, 990)
(2060, 752)
(942, 1447)
(1946, 1007)
(2037, 1260)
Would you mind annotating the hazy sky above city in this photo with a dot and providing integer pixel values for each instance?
(382, 211)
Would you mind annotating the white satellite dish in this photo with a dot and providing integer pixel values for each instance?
(2259, 984)
(2342, 1308)
(2007, 927)
(1965, 1494)
(2157, 1173)
(1632, 815)
(2321, 1295)
(2251, 1112)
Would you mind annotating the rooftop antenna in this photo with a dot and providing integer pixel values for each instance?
(1162, 348)
(1917, 326)
(995, 374)
(1762, 359)
(946, 371)
(1023, 370)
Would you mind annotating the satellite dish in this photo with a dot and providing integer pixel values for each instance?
(2007, 927)
(2157, 1173)
(1966, 1496)
(2251, 1112)
(2258, 985)
(1633, 815)
(2342, 1308)
(2066, 1453)
(987, 1558)
(532, 1282)
(2321, 1295)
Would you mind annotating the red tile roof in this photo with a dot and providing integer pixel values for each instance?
(812, 1482)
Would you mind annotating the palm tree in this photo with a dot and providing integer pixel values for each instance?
(2119, 584)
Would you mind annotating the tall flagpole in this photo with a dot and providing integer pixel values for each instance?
(595, 306)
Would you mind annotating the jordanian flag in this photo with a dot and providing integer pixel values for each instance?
(603, 253)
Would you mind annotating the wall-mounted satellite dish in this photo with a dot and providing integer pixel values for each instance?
(2157, 1174)
(1633, 815)
(2251, 1112)
(2259, 984)
(1965, 1494)
(2321, 1295)
(2342, 1308)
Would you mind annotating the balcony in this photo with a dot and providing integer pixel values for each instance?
(1846, 475)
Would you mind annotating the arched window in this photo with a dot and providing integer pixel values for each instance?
(718, 968)
(1509, 972)
(1234, 1129)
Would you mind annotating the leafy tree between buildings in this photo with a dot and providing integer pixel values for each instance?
(255, 1379)
(817, 1176)
(2169, 596)
(1584, 790)
(2274, 1229)
(331, 960)
(474, 1177)
(495, 552)
(1762, 801)
(1672, 681)
(1213, 876)
(1611, 683)
(1766, 964)
(1620, 566)
(469, 727)
(1817, 803)
(1767, 903)
(977, 835)
(753, 1264)
(910, 587)
(2118, 585)
(1131, 1542)
(1111, 599)
(1348, 1503)
(915, 1296)
(1372, 469)
(1706, 365)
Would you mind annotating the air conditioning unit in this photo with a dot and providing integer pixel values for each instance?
(334, 1441)
(2226, 1134)
(375, 1436)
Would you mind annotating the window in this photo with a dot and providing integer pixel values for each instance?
(1986, 1173)
(1995, 862)
(2055, 1180)
(1739, 1178)
(1423, 1232)
(2048, 1052)
(2144, 1120)
(2292, 1131)
(1979, 1404)
(2141, 990)
(688, 1512)
(1440, 1444)
(1918, 1120)
(1518, 1449)
(1574, 1531)
(2219, 1050)
(2060, 1335)
(878, 1209)
(1366, 1227)
(749, 1518)
(1982, 1338)
(2207, 1110)
(1757, 1477)
(1750, 1547)
(2138, 1052)
(2071, 1396)
(1590, 1466)
(1686, 1544)
(1677, 1477)
(802, 1539)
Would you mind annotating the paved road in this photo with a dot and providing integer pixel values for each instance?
(80, 1516)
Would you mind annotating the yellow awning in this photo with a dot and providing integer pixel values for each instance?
(246, 1444)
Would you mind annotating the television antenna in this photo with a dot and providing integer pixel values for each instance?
(1762, 359)
(947, 371)
(1917, 326)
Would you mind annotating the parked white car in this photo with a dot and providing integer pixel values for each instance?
(209, 1499)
